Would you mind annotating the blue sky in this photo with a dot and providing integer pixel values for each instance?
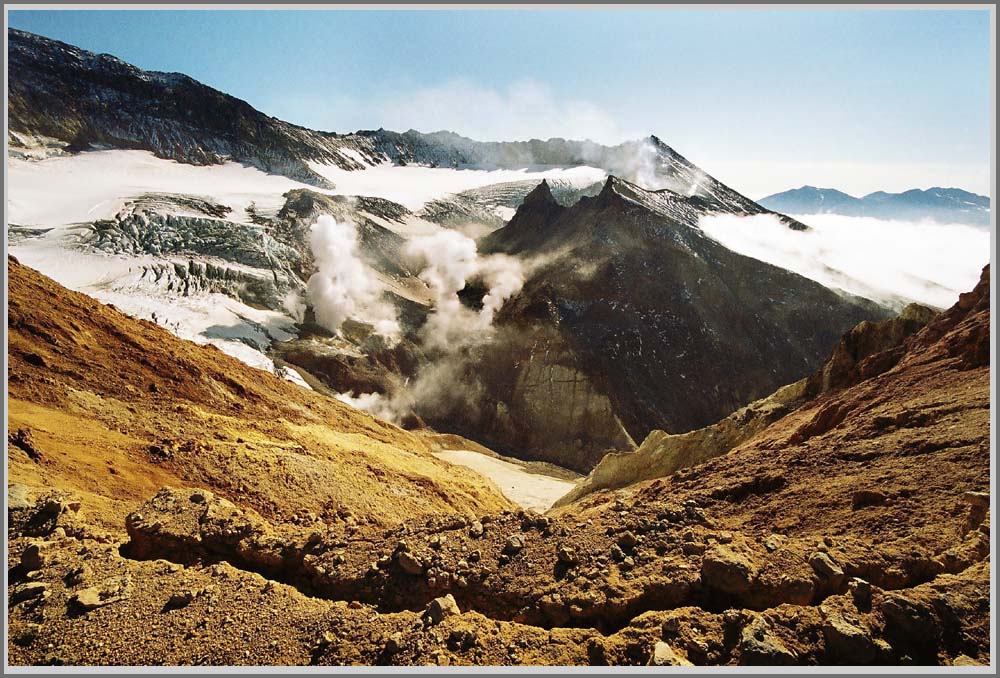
(765, 99)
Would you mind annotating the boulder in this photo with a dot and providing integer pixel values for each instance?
(410, 563)
(18, 497)
(28, 591)
(567, 555)
(726, 570)
(664, 655)
(848, 643)
(441, 608)
(111, 590)
(910, 619)
(514, 544)
(760, 647)
(827, 569)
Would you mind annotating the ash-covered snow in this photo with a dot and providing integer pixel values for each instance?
(58, 191)
(239, 330)
(414, 185)
(168, 266)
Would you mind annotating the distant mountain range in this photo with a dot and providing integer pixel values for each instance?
(947, 205)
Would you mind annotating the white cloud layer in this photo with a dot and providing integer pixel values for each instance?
(891, 261)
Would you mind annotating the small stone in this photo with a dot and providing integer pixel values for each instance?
(28, 591)
(514, 544)
(824, 566)
(774, 542)
(410, 563)
(32, 558)
(181, 599)
(759, 646)
(476, 529)
(861, 591)
(475, 556)
(394, 643)
(664, 655)
(567, 555)
(627, 540)
(864, 498)
(442, 608)
(725, 570)
(692, 548)
(107, 592)
(966, 660)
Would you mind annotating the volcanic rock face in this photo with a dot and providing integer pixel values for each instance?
(69, 98)
(867, 350)
(633, 306)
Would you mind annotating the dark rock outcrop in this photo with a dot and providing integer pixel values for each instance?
(644, 310)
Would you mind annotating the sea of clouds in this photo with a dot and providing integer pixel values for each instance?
(895, 262)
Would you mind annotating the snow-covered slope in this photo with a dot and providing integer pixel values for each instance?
(415, 186)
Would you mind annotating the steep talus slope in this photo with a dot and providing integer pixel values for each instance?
(858, 538)
(114, 405)
(867, 350)
(633, 308)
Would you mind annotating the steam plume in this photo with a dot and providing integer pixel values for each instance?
(343, 286)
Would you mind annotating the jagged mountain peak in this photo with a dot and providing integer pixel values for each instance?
(540, 195)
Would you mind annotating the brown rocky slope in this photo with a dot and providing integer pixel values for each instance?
(117, 407)
(853, 530)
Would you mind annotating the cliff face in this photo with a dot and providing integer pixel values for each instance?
(864, 352)
(630, 294)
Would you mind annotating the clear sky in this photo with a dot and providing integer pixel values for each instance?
(765, 100)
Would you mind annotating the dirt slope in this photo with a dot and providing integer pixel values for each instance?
(853, 530)
(118, 407)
